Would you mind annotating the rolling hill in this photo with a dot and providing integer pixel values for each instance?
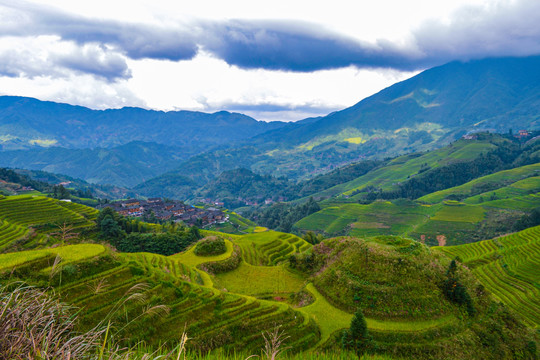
(122, 166)
(390, 198)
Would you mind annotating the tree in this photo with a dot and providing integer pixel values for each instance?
(109, 229)
(313, 238)
(455, 291)
(60, 192)
(357, 338)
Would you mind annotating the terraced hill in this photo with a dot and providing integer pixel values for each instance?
(479, 209)
(509, 267)
(270, 278)
(100, 283)
(26, 219)
(402, 168)
(508, 183)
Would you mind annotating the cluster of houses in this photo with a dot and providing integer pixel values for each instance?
(170, 210)
(247, 202)
(521, 134)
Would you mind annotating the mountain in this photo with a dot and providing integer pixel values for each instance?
(28, 123)
(96, 190)
(125, 165)
(424, 112)
(490, 94)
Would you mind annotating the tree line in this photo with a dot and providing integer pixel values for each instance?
(129, 235)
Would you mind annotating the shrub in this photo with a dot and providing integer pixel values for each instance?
(231, 263)
(210, 246)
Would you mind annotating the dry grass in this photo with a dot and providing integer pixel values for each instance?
(35, 326)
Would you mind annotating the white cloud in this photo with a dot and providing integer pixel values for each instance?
(109, 54)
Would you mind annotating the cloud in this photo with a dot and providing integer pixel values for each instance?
(504, 28)
(284, 45)
(510, 28)
(49, 56)
(271, 107)
(95, 60)
(137, 41)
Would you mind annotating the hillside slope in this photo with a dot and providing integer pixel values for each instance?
(509, 268)
(425, 112)
(225, 300)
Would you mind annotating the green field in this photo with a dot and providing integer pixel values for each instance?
(509, 267)
(394, 280)
(377, 218)
(44, 215)
(270, 247)
(401, 168)
(518, 180)
(70, 253)
(189, 257)
(275, 281)
(460, 213)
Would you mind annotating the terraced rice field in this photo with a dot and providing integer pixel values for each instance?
(86, 211)
(400, 168)
(377, 218)
(509, 267)
(10, 232)
(68, 254)
(270, 247)
(460, 213)
(260, 280)
(34, 210)
(18, 213)
(521, 178)
(521, 203)
(189, 257)
(330, 318)
(101, 286)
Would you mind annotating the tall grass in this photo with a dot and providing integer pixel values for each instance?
(35, 325)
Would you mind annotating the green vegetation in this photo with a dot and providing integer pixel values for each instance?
(260, 281)
(30, 221)
(67, 254)
(329, 318)
(379, 217)
(282, 217)
(190, 258)
(270, 247)
(416, 302)
(515, 178)
(472, 214)
(508, 268)
(209, 246)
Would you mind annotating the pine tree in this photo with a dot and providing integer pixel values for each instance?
(357, 338)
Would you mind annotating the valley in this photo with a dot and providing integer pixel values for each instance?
(406, 226)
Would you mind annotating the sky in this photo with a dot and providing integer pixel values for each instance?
(273, 60)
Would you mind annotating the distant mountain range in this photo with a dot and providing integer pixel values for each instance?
(27, 123)
(190, 149)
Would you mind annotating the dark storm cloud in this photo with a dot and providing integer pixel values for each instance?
(286, 45)
(504, 29)
(137, 41)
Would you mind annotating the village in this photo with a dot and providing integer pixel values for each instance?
(169, 210)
